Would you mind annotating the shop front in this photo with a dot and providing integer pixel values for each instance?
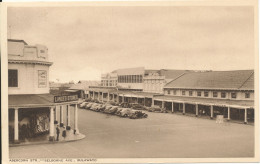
(33, 117)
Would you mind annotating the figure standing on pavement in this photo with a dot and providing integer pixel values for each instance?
(57, 132)
(64, 132)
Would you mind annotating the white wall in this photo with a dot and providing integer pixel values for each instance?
(19, 51)
(240, 94)
(28, 79)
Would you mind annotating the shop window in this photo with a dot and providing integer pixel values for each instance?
(215, 94)
(233, 95)
(223, 94)
(206, 94)
(12, 78)
(199, 93)
(183, 93)
(247, 95)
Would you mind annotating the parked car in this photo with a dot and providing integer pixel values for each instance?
(88, 106)
(137, 114)
(82, 105)
(118, 112)
(125, 105)
(137, 106)
(113, 110)
(101, 107)
(125, 112)
(155, 108)
(107, 108)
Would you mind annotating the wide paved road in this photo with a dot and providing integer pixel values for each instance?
(160, 135)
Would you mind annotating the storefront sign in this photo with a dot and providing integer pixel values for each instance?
(42, 79)
(59, 99)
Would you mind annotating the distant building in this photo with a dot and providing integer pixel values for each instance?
(109, 79)
(131, 78)
(82, 88)
(59, 88)
(156, 80)
(200, 93)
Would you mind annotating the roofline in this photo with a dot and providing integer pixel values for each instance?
(246, 80)
(210, 88)
(30, 62)
(16, 40)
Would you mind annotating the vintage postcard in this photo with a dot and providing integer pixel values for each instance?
(130, 82)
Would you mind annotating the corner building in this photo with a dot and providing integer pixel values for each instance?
(32, 110)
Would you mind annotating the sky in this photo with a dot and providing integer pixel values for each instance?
(84, 42)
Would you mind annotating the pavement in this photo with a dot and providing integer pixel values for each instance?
(44, 139)
(161, 135)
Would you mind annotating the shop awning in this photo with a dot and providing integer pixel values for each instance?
(31, 100)
(207, 101)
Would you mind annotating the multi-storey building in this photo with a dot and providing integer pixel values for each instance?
(155, 81)
(109, 79)
(32, 110)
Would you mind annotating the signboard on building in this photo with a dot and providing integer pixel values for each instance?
(60, 99)
(42, 79)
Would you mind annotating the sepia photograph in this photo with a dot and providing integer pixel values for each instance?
(99, 82)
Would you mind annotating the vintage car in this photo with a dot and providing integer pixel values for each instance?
(94, 107)
(82, 105)
(137, 114)
(155, 108)
(137, 106)
(125, 105)
(88, 105)
(118, 112)
(125, 112)
(101, 107)
(113, 110)
(107, 108)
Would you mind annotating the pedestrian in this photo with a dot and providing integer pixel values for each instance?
(64, 133)
(57, 132)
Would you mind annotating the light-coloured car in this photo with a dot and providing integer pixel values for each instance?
(89, 105)
(82, 105)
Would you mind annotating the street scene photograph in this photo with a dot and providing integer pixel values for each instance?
(150, 80)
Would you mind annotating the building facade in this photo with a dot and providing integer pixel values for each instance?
(200, 93)
(156, 80)
(109, 79)
(228, 93)
(131, 78)
(33, 111)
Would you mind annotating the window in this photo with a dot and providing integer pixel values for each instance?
(199, 93)
(247, 95)
(190, 93)
(169, 92)
(206, 94)
(215, 94)
(183, 92)
(233, 95)
(174, 92)
(12, 78)
(141, 78)
(223, 94)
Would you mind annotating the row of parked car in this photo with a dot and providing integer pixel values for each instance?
(115, 109)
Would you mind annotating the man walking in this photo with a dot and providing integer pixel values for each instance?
(57, 132)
